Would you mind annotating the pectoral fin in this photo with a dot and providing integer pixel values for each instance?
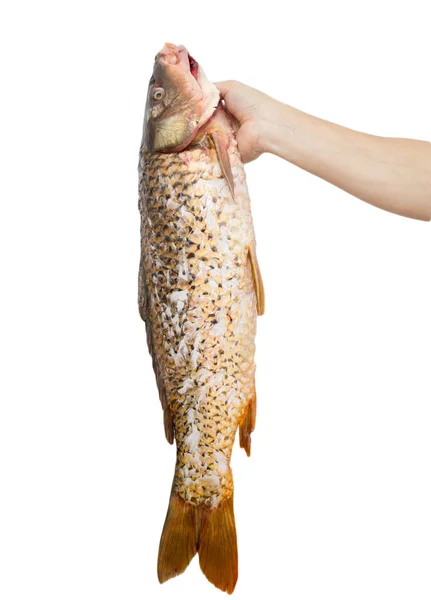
(221, 144)
(258, 283)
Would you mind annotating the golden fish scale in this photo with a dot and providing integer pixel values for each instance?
(200, 307)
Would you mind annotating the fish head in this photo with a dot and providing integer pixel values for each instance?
(180, 100)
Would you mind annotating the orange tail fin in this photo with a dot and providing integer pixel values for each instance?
(178, 541)
(209, 531)
(218, 552)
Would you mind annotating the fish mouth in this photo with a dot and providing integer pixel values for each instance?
(194, 66)
(187, 60)
(178, 55)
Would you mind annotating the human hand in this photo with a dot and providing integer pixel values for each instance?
(251, 109)
(390, 173)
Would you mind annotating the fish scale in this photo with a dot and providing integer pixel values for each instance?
(202, 308)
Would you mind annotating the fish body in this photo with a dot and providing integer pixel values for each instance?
(199, 293)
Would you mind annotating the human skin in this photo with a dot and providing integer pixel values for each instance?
(393, 174)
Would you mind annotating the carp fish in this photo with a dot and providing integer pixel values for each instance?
(200, 291)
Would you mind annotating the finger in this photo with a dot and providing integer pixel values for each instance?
(225, 86)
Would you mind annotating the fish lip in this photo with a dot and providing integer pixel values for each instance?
(188, 61)
(179, 55)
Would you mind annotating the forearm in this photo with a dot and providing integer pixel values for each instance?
(392, 174)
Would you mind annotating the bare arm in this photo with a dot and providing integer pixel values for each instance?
(390, 173)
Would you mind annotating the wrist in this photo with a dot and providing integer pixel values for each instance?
(273, 125)
(268, 139)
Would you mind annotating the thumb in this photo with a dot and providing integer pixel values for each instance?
(225, 86)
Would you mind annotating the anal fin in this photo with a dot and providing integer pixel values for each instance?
(247, 426)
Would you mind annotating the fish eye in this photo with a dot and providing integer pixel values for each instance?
(158, 93)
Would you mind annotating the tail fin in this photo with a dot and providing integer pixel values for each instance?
(218, 552)
(178, 541)
(209, 531)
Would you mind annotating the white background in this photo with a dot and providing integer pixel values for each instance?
(335, 500)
